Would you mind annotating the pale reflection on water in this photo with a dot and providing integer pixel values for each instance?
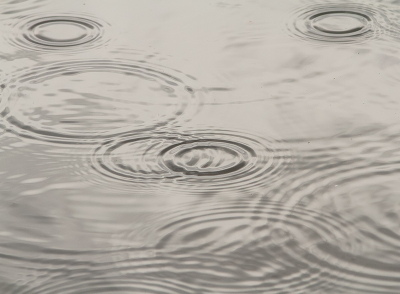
(199, 147)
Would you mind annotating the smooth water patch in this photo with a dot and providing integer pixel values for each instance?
(198, 159)
(82, 101)
(64, 32)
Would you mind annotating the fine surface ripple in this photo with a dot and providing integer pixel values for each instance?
(327, 172)
(64, 32)
(198, 159)
(53, 271)
(199, 147)
(336, 23)
(259, 247)
(83, 101)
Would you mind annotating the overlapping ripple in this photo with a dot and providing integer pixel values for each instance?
(197, 159)
(329, 224)
(329, 169)
(81, 101)
(63, 32)
(336, 23)
(260, 247)
(50, 271)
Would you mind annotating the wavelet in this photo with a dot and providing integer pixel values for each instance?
(336, 23)
(65, 33)
(195, 160)
(84, 101)
(242, 246)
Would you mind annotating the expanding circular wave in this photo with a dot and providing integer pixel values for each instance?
(338, 23)
(328, 170)
(80, 101)
(261, 247)
(199, 159)
(206, 158)
(52, 271)
(64, 32)
(353, 175)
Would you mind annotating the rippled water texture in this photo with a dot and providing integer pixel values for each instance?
(95, 97)
(58, 33)
(339, 23)
(199, 147)
(264, 247)
(202, 160)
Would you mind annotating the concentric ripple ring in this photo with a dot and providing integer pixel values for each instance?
(59, 32)
(348, 23)
(207, 158)
(198, 160)
(80, 101)
(211, 243)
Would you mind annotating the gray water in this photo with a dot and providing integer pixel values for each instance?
(199, 146)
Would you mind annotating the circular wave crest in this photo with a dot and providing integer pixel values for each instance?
(83, 101)
(64, 32)
(246, 246)
(334, 23)
(201, 160)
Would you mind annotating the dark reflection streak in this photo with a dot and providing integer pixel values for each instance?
(32, 248)
(218, 89)
(362, 262)
(90, 284)
(340, 32)
(16, 11)
(341, 11)
(379, 239)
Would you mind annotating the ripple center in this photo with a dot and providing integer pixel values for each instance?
(338, 22)
(206, 158)
(334, 23)
(59, 31)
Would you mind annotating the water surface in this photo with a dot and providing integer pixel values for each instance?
(199, 147)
